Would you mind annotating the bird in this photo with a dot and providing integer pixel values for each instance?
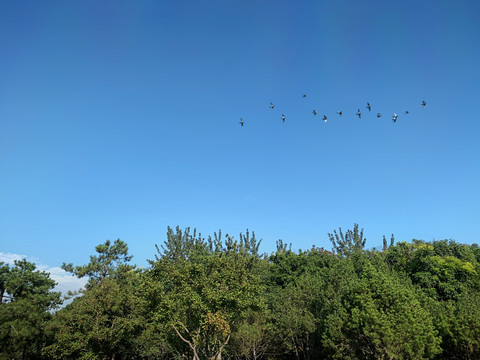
(324, 118)
(314, 112)
(241, 122)
(271, 106)
(283, 117)
(359, 114)
(395, 116)
(339, 112)
(406, 112)
(369, 107)
(424, 103)
(378, 115)
(304, 96)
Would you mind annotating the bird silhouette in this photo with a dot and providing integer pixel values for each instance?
(304, 96)
(369, 107)
(271, 106)
(359, 114)
(378, 115)
(339, 112)
(395, 116)
(283, 117)
(324, 118)
(424, 103)
(406, 112)
(241, 122)
(314, 112)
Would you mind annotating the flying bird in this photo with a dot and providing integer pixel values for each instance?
(314, 112)
(324, 118)
(378, 115)
(395, 116)
(424, 103)
(283, 118)
(271, 106)
(241, 122)
(304, 96)
(359, 114)
(339, 112)
(369, 107)
(406, 112)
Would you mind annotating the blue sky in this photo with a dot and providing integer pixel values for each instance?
(118, 119)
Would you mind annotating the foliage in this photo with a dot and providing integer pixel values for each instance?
(352, 241)
(111, 261)
(104, 322)
(219, 298)
(27, 301)
(377, 315)
(107, 320)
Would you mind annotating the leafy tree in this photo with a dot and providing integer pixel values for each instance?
(253, 338)
(443, 269)
(27, 301)
(293, 319)
(376, 315)
(457, 323)
(107, 321)
(203, 293)
(111, 261)
(348, 243)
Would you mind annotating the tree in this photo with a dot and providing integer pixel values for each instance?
(349, 243)
(457, 323)
(376, 315)
(254, 335)
(202, 291)
(293, 319)
(27, 301)
(108, 320)
(104, 323)
(111, 261)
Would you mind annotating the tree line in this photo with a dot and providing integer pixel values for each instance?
(221, 298)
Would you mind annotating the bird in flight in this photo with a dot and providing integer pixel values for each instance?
(271, 106)
(395, 116)
(324, 118)
(369, 107)
(378, 115)
(406, 112)
(283, 117)
(241, 122)
(314, 112)
(304, 96)
(424, 103)
(359, 114)
(339, 112)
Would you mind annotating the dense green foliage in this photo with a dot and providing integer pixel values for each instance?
(27, 297)
(219, 298)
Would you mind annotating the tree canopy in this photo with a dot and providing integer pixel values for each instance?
(219, 297)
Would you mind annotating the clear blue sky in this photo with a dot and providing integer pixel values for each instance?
(118, 119)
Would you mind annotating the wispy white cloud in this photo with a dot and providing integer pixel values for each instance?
(9, 258)
(65, 281)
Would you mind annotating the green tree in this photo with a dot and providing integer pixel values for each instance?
(457, 322)
(25, 309)
(203, 291)
(111, 261)
(107, 321)
(443, 269)
(376, 315)
(348, 243)
(253, 337)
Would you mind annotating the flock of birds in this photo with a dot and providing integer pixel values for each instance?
(340, 113)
